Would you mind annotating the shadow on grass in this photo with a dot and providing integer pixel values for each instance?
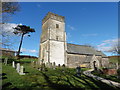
(98, 83)
(3, 76)
(59, 86)
(6, 85)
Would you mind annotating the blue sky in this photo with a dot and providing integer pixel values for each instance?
(93, 23)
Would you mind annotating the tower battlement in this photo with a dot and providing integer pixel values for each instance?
(53, 16)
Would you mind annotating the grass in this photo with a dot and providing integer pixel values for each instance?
(50, 79)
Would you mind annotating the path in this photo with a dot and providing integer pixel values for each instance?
(112, 83)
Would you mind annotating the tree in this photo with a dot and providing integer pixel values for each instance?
(22, 30)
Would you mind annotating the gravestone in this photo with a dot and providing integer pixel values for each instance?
(47, 64)
(13, 64)
(54, 66)
(18, 67)
(21, 70)
(58, 65)
(78, 71)
(5, 61)
(50, 65)
(63, 68)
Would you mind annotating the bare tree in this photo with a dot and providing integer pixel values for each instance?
(6, 10)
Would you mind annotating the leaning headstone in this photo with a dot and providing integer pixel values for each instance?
(18, 67)
(21, 70)
(5, 61)
(13, 64)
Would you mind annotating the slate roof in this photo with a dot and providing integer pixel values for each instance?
(83, 49)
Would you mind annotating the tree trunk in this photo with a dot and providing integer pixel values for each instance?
(20, 45)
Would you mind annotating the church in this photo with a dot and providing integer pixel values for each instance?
(55, 49)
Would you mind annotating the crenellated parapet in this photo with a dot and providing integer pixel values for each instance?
(53, 16)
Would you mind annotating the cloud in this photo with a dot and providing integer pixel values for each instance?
(71, 27)
(28, 50)
(68, 35)
(88, 35)
(7, 28)
(107, 45)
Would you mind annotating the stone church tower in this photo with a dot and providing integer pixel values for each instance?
(53, 39)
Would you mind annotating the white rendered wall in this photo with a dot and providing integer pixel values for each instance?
(57, 52)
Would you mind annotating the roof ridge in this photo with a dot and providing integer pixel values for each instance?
(78, 45)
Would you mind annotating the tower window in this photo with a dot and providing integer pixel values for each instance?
(57, 38)
(57, 26)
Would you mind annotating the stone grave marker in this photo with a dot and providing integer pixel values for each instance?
(18, 67)
(58, 65)
(21, 70)
(78, 71)
(13, 64)
(54, 66)
(5, 61)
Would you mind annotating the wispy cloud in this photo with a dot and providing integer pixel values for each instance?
(107, 45)
(38, 5)
(71, 27)
(28, 50)
(88, 35)
(68, 36)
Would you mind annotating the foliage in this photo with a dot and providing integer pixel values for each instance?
(50, 80)
(113, 59)
(10, 59)
(23, 29)
(26, 60)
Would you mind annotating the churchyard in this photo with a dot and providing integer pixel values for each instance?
(24, 74)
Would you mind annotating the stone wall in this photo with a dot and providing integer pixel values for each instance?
(44, 50)
(105, 62)
(74, 60)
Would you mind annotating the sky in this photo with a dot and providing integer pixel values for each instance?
(86, 23)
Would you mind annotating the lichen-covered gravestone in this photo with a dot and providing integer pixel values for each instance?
(18, 67)
(21, 70)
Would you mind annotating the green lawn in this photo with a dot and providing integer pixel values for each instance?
(50, 79)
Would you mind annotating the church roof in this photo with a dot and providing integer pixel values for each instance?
(83, 49)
